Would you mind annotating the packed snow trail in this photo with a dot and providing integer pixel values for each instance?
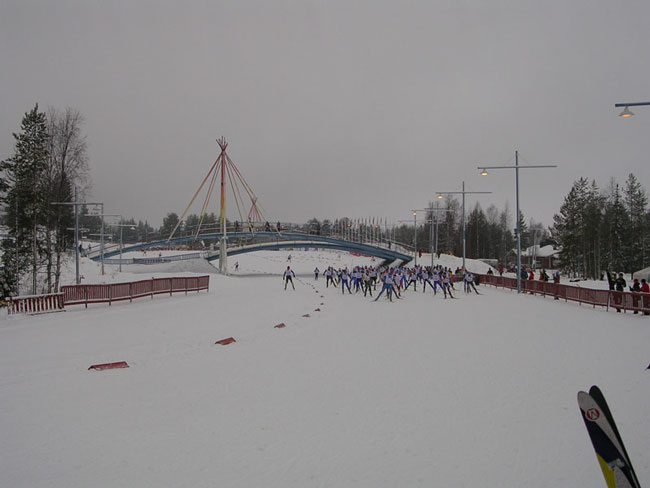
(478, 391)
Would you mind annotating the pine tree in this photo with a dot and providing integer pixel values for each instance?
(616, 223)
(590, 233)
(636, 202)
(26, 200)
(507, 238)
(449, 240)
(568, 227)
(476, 233)
(169, 223)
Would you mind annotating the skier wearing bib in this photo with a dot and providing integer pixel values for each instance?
(388, 287)
(446, 283)
(288, 277)
(329, 277)
(345, 281)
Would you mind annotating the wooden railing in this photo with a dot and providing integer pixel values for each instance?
(35, 303)
(106, 293)
(115, 292)
(619, 300)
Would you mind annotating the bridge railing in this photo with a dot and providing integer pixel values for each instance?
(156, 259)
(619, 300)
(258, 233)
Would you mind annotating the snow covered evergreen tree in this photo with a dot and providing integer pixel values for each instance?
(567, 225)
(636, 202)
(615, 221)
(25, 202)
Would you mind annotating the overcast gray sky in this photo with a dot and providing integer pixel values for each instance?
(336, 108)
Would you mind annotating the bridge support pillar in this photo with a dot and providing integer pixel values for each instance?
(223, 256)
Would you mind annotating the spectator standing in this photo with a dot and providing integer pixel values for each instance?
(645, 291)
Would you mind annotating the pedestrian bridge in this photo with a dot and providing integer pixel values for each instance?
(271, 241)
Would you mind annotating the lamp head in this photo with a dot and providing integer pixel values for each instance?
(439, 197)
(626, 113)
(484, 172)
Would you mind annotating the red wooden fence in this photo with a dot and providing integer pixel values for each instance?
(112, 292)
(35, 303)
(623, 300)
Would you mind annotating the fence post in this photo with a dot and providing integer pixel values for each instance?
(186, 286)
(130, 292)
(110, 293)
(86, 295)
(170, 287)
(152, 287)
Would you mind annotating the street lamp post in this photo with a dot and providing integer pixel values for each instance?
(415, 238)
(101, 236)
(434, 244)
(516, 167)
(415, 233)
(121, 226)
(626, 108)
(76, 205)
(463, 192)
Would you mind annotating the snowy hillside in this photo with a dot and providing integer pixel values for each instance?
(422, 392)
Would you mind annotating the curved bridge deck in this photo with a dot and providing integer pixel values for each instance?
(273, 241)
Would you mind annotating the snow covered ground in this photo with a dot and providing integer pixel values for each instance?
(421, 392)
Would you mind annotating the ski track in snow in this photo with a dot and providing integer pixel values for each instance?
(478, 391)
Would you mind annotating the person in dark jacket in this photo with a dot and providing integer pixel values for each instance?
(619, 285)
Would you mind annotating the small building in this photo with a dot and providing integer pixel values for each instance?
(546, 257)
(642, 273)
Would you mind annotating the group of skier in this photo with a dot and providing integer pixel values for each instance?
(394, 280)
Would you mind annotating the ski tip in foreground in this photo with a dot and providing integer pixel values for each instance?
(606, 440)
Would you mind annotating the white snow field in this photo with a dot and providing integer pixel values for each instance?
(422, 392)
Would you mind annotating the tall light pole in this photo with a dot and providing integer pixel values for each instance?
(121, 226)
(463, 192)
(76, 205)
(516, 167)
(626, 108)
(101, 236)
(437, 221)
(415, 238)
(425, 221)
(415, 233)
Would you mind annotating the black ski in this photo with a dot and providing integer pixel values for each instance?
(608, 444)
